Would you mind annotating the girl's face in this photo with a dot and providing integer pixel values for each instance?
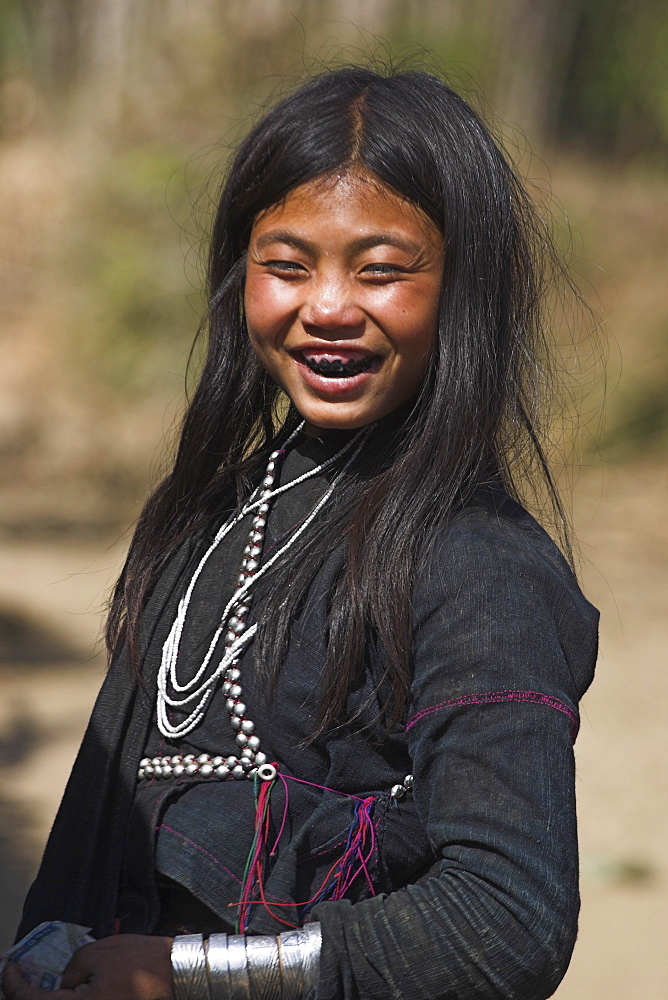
(341, 299)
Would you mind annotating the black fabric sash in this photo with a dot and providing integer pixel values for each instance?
(78, 877)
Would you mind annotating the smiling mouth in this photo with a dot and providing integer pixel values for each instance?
(337, 368)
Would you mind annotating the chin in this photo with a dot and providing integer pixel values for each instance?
(336, 421)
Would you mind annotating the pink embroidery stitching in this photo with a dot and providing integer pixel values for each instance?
(201, 849)
(327, 850)
(491, 697)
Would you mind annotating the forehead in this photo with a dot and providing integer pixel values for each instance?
(353, 203)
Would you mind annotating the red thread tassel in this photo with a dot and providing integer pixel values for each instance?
(359, 850)
(354, 861)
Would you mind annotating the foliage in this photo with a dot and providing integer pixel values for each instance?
(136, 306)
(116, 119)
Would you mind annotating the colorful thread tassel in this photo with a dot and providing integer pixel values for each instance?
(354, 862)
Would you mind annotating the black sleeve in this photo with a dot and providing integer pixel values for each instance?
(504, 646)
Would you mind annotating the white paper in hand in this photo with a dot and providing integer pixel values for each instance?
(43, 955)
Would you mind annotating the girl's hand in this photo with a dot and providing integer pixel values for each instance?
(123, 967)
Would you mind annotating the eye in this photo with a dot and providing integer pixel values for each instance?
(378, 270)
(284, 267)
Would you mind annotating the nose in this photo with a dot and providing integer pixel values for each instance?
(329, 307)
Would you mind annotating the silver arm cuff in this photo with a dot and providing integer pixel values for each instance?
(299, 952)
(263, 967)
(217, 966)
(189, 968)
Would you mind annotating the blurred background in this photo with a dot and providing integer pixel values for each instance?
(116, 119)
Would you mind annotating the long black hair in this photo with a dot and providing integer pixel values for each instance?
(475, 418)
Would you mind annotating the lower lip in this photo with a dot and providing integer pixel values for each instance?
(335, 387)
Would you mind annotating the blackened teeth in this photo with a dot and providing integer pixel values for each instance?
(339, 369)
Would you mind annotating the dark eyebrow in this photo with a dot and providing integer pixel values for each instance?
(283, 236)
(382, 239)
(356, 246)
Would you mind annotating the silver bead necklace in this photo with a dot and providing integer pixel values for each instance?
(200, 688)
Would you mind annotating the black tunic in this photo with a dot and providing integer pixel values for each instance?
(474, 873)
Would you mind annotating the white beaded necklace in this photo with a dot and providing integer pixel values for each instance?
(238, 635)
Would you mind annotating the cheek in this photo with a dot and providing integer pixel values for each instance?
(269, 306)
(263, 326)
(254, 308)
(417, 331)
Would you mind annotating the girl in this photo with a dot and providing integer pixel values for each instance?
(333, 754)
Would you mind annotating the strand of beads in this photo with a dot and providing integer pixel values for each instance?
(201, 686)
(250, 755)
(250, 758)
(190, 766)
(208, 766)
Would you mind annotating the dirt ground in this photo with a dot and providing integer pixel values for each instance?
(50, 601)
